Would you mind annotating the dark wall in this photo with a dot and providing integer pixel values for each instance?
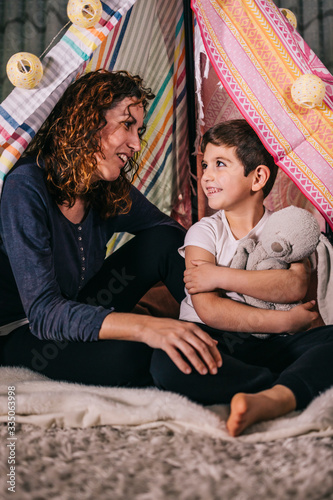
(27, 25)
(315, 25)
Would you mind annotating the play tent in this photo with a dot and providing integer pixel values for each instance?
(247, 55)
(256, 53)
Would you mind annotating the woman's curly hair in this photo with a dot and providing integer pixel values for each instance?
(70, 138)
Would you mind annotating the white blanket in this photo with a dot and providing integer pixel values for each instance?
(45, 403)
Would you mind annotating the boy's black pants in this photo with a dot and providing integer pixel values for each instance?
(302, 362)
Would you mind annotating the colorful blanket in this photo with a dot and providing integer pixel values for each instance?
(257, 55)
(145, 37)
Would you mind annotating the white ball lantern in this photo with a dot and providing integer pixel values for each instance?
(24, 70)
(290, 16)
(84, 13)
(308, 91)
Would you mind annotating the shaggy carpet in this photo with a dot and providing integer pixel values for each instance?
(81, 442)
(104, 463)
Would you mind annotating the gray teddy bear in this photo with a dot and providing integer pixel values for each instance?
(290, 235)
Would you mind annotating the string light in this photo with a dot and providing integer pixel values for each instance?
(290, 16)
(84, 13)
(308, 91)
(25, 70)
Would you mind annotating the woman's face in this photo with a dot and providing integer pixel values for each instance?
(120, 138)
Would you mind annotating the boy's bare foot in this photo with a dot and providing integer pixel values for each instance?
(247, 409)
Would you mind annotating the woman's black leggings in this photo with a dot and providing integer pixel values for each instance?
(124, 278)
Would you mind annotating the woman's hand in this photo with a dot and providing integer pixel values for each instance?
(181, 339)
(185, 343)
(203, 277)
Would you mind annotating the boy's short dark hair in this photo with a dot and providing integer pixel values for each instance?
(249, 149)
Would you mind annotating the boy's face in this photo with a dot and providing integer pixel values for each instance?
(223, 180)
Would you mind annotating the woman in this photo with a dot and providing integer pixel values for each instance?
(65, 310)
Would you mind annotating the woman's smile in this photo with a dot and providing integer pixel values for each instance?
(120, 138)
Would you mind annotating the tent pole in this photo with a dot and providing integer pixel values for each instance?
(329, 233)
(191, 116)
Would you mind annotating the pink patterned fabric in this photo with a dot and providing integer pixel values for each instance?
(257, 55)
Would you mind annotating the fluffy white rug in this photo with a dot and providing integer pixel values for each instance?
(46, 403)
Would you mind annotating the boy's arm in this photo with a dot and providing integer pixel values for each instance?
(226, 314)
(275, 285)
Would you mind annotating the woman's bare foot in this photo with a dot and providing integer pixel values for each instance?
(247, 409)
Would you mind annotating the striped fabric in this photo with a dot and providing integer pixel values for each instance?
(159, 57)
(146, 38)
(257, 55)
(23, 112)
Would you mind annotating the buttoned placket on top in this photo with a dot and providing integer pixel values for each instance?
(82, 257)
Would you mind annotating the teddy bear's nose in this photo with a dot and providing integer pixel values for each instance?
(276, 247)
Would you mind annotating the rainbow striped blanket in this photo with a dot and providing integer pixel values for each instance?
(144, 37)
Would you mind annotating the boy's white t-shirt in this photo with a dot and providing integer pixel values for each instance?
(213, 234)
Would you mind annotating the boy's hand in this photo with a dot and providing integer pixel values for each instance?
(203, 277)
(301, 317)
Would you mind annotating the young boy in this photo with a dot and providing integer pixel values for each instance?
(263, 378)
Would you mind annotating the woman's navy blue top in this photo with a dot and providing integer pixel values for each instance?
(45, 259)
